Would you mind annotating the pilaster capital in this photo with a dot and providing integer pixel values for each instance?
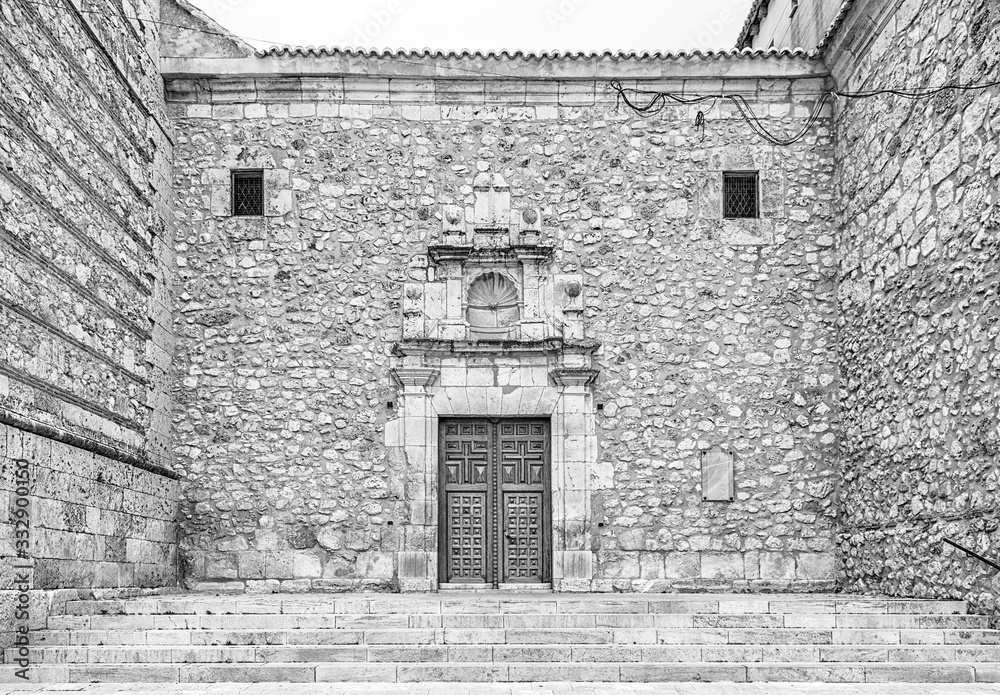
(574, 376)
(414, 379)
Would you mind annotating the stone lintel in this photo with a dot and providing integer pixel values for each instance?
(574, 376)
(538, 253)
(437, 348)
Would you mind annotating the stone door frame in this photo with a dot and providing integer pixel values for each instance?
(528, 383)
(495, 509)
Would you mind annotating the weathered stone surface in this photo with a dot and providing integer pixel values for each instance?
(85, 266)
(918, 332)
(709, 342)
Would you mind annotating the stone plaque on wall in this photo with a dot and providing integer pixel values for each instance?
(717, 481)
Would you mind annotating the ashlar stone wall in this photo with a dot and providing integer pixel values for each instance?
(84, 266)
(919, 184)
(714, 332)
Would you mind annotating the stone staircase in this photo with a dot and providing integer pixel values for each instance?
(514, 637)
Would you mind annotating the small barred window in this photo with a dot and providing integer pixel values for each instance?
(739, 195)
(248, 193)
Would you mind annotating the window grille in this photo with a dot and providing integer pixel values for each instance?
(248, 193)
(739, 195)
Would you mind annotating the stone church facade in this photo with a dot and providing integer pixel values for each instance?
(326, 348)
(330, 320)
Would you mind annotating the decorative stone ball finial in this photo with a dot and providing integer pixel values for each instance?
(529, 216)
(573, 289)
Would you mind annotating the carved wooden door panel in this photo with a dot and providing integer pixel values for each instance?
(495, 502)
(523, 472)
(466, 462)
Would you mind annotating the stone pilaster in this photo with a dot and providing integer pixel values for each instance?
(574, 446)
(412, 436)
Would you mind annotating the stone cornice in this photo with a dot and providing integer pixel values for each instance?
(439, 253)
(512, 71)
(136, 459)
(438, 348)
(414, 377)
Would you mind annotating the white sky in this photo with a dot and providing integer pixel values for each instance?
(528, 25)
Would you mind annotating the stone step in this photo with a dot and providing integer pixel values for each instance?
(193, 621)
(509, 604)
(459, 636)
(508, 653)
(513, 672)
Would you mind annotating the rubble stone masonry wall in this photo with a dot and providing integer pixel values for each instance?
(714, 332)
(919, 333)
(84, 266)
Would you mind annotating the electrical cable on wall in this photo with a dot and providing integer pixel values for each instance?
(659, 100)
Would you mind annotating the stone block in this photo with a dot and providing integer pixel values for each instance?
(618, 564)
(244, 673)
(221, 566)
(416, 564)
(919, 673)
(632, 539)
(810, 621)
(661, 673)
(402, 636)
(573, 585)
(777, 566)
(407, 653)
(279, 565)
(558, 636)
(250, 564)
(296, 586)
(681, 565)
(334, 585)
(306, 565)
(478, 673)
(574, 564)
(356, 673)
(789, 653)
(265, 586)
(651, 566)
(816, 566)
(722, 566)
(791, 673)
(122, 673)
(987, 673)
(373, 565)
(652, 586)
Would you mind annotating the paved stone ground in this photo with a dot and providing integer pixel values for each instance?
(511, 689)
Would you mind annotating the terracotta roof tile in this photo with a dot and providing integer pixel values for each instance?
(834, 29)
(424, 54)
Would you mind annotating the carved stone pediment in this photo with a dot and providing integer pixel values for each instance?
(490, 277)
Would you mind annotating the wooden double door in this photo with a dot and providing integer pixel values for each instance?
(495, 502)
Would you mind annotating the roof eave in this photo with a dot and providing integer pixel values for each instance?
(315, 62)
